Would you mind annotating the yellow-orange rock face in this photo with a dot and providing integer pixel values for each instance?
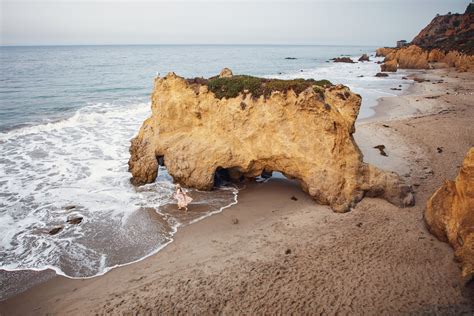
(383, 51)
(306, 137)
(450, 215)
(390, 66)
(414, 57)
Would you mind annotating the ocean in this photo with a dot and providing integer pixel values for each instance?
(67, 114)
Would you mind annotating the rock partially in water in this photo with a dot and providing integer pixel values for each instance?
(74, 220)
(55, 230)
(389, 66)
(343, 60)
(302, 128)
(449, 215)
(364, 57)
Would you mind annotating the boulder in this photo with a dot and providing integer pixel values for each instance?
(390, 66)
(364, 57)
(225, 73)
(245, 126)
(75, 220)
(449, 215)
(381, 74)
(55, 230)
(343, 60)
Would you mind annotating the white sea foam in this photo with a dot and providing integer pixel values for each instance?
(359, 77)
(82, 162)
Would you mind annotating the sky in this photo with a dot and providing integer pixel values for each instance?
(300, 22)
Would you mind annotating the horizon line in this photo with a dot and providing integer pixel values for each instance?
(169, 44)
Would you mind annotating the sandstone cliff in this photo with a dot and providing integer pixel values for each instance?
(449, 32)
(447, 41)
(450, 214)
(243, 126)
(414, 57)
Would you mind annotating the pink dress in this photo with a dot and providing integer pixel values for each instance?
(183, 199)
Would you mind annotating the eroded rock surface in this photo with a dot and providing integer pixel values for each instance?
(449, 32)
(447, 41)
(343, 60)
(306, 135)
(414, 57)
(449, 215)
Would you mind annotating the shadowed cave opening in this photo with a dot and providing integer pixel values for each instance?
(223, 176)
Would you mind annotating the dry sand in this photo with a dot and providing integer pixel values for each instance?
(296, 256)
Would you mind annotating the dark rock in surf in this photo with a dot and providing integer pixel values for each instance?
(343, 60)
(364, 57)
(74, 220)
(55, 230)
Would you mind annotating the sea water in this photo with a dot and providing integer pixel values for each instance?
(67, 115)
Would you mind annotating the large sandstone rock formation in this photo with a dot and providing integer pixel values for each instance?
(243, 126)
(448, 40)
(414, 57)
(450, 214)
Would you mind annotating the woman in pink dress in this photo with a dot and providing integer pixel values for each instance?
(182, 198)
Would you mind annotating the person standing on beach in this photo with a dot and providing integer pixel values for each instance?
(182, 198)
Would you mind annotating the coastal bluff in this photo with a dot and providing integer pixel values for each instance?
(447, 41)
(241, 126)
(449, 214)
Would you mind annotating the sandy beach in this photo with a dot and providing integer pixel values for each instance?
(272, 253)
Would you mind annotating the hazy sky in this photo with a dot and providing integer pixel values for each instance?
(345, 22)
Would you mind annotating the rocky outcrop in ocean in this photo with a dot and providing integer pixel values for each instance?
(240, 127)
(449, 214)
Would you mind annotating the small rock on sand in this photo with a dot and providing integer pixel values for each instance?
(409, 200)
(381, 149)
(235, 220)
(294, 198)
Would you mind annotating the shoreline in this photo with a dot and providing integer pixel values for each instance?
(51, 271)
(215, 253)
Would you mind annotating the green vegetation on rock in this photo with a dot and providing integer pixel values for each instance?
(233, 86)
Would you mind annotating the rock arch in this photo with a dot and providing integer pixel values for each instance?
(300, 128)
